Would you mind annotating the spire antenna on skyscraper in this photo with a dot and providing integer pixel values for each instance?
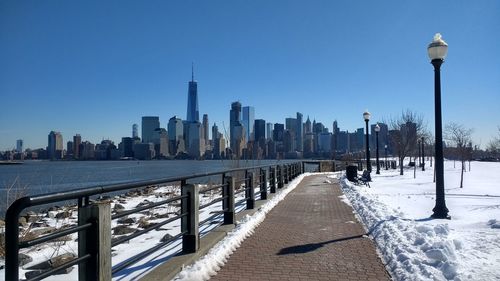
(192, 71)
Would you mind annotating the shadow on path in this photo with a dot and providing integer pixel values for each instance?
(306, 248)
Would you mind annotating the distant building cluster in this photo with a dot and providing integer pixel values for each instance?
(249, 138)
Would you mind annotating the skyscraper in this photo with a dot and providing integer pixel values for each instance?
(299, 133)
(260, 129)
(215, 133)
(269, 131)
(175, 135)
(193, 114)
(248, 119)
(234, 121)
(55, 145)
(308, 126)
(19, 146)
(205, 130)
(149, 124)
(77, 141)
(135, 131)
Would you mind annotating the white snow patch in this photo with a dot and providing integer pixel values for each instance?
(396, 210)
(209, 264)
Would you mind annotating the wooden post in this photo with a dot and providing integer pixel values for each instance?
(228, 202)
(272, 179)
(95, 241)
(285, 174)
(280, 176)
(190, 222)
(250, 192)
(263, 185)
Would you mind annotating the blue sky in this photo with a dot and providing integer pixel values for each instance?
(96, 67)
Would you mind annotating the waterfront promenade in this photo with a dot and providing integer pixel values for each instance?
(311, 235)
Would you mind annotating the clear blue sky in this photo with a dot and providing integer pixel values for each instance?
(96, 67)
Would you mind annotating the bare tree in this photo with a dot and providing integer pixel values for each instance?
(494, 144)
(461, 137)
(405, 130)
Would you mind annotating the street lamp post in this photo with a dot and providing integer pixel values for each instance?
(423, 155)
(377, 129)
(386, 164)
(437, 50)
(366, 116)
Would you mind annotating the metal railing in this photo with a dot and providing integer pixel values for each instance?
(94, 218)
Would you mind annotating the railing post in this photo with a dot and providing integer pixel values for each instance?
(289, 172)
(272, 179)
(189, 222)
(280, 176)
(95, 241)
(285, 174)
(263, 185)
(228, 202)
(250, 192)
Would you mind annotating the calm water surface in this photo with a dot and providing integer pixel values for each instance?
(35, 177)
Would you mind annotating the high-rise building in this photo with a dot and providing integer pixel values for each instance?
(308, 126)
(324, 142)
(278, 132)
(175, 135)
(149, 125)
(77, 140)
(269, 131)
(69, 149)
(335, 136)
(19, 146)
(135, 131)
(55, 145)
(215, 133)
(259, 129)
(205, 130)
(127, 147)
(87, 150)
(193, 114)
(160, 141)
(299, 133)
(196, 148)
(234, 121)
(248, 119)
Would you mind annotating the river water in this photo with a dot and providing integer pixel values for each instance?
(38, 177)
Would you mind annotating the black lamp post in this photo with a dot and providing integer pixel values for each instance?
(366, 116)
(386, 164)
(423, 155)
(377, 129)
(437, 52)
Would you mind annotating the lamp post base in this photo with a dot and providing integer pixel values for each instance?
(440, 214)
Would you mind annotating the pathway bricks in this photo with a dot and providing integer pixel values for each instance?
(311, 235)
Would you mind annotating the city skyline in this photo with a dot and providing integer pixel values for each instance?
(81, 73)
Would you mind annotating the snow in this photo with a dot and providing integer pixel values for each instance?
(135, 246)
(209, 264)
(396, 212)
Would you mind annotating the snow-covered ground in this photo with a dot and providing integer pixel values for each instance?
(138, 221)
(396, 211)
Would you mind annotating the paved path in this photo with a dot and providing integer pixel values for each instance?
(311, 235)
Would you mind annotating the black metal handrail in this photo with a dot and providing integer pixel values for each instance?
(83, 196)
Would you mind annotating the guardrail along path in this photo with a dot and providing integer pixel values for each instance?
(311, 235)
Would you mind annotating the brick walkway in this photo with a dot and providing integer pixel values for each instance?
(311, 235)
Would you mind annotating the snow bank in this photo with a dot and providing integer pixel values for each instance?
(396, 212)
(412, 251)
(209, 264)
